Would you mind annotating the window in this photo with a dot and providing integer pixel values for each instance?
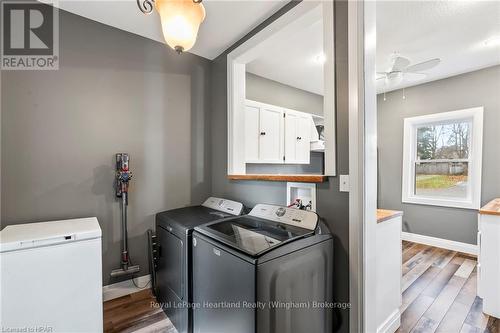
(442, 159)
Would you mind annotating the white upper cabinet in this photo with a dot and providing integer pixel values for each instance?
(304, 140)
(297, 137)
(263, 133)
(277, 135)
(291, 136)
(271, 135)
(252, 133)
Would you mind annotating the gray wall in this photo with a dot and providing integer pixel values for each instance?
(332, 205)
(316, 166)
(268, 91)
(479, 88)
(114, 92)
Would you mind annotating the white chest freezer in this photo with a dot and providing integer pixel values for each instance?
(51, 276)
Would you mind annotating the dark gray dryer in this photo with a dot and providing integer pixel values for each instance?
(173, 275)
(267, 272)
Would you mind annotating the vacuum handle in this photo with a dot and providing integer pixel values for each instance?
(123, 173)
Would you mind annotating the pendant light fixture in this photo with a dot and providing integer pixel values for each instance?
(180, 20)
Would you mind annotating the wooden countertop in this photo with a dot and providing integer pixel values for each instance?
(386, 214)
(281, 178)
(491, 208)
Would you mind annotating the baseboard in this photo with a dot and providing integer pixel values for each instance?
(442, 243)
(126, 287)
(391, 324)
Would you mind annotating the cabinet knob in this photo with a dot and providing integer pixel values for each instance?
(262, 133)
(299, 138)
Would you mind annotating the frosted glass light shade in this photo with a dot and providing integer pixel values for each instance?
(180, 20)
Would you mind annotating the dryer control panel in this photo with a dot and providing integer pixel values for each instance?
(224, 205)
(300, 218)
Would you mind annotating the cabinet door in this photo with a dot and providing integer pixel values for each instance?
(490, 264)
(291, 136)
(252, 133)
(271, 135)
(304, 139)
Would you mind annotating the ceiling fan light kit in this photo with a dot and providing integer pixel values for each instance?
(180, 20)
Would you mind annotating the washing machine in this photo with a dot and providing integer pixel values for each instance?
(174, 230)
(266, 272)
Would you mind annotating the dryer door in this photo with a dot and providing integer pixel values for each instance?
(171, 263)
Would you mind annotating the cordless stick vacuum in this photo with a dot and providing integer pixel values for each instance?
(123, 176)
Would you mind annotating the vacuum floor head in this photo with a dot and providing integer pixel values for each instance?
(123, 272)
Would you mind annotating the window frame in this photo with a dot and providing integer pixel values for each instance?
(473, 199)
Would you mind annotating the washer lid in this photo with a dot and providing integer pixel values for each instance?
(253, 235)
(32, 235)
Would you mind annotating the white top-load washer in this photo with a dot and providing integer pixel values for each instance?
(51, 276)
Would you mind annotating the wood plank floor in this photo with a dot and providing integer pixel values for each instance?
(439, 295)
(136, 313)
(439, 292)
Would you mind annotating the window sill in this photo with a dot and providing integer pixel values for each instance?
(450, 203)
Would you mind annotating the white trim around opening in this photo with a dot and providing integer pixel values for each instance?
(472, 199)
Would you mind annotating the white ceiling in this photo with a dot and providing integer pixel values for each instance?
(293, 60)
(454, 31)
(227, 21)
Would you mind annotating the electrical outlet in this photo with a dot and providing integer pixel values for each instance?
(344, 183)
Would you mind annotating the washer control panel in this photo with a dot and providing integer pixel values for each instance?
(224, 205)
(300, 218)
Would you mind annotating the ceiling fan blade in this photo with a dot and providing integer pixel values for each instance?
(400, 64)
(422, 66)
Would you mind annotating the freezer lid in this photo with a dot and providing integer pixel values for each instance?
(32, 235)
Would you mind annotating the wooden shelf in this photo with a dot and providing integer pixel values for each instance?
(281, 178)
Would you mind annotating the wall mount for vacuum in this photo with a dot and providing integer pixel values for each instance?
(122, 179)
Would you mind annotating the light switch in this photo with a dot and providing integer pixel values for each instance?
(344, 183)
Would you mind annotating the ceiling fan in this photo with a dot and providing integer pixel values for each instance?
(401, 66)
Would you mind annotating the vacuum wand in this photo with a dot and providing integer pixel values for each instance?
(125, 259)
(123, 176)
